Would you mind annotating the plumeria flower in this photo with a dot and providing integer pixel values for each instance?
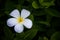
(19, 20)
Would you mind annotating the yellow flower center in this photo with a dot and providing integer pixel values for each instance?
(20, 20)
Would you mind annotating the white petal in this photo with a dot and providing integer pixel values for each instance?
(11, 22)
(28, 23)
(25, 13)
(15, 13)
(19, 28)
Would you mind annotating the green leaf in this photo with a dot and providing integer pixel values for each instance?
(46, 23)
(45, 38)
(46, 3)
(28, 35)
(52, 12)
(35, 5)
(31, 17)
(40, 38)
(55, 36)
(41, 1)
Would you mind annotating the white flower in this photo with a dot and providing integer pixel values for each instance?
(19, 20)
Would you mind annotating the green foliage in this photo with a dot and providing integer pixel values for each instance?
(35, 5)
(40, 38)
(52, 12)
(46, 3)
(28, 35)
(45, 15)
(46, 23)
(55, 36)
(31, 17)
(43, 38)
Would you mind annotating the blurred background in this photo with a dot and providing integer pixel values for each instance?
(45, 15)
